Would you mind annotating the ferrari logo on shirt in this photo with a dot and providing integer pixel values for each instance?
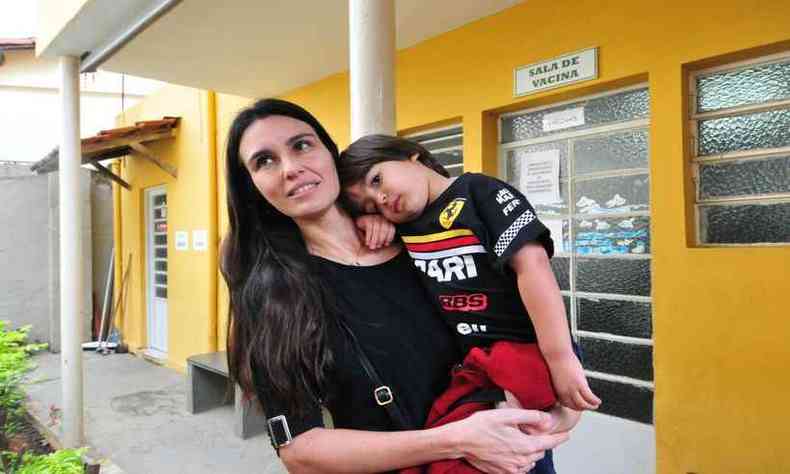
(451, 212)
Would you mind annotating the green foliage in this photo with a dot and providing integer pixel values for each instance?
(65, 461)
(14, 363)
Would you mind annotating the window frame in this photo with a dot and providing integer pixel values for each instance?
(459, 125)
(633, 124)
(697, 161)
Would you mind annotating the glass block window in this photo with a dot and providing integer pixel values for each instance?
(158, 241)
(600, 223)
(740, 122)
(446, 144)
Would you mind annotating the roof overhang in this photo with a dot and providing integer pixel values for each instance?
(245, 47)
(116, 143)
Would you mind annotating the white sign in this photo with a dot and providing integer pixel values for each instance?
(557, 72)
(200, 240)
(563, 119)
(555, 227)
(540, 176)
(182, 240)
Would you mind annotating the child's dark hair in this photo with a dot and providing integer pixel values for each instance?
(368, 151)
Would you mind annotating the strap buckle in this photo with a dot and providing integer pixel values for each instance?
(279, 432)
(383, 395)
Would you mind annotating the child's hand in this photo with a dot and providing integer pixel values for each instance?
(545, 425)
(378, 231)
(571, 385)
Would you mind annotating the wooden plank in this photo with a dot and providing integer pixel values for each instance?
(109, 174)
(144, 152)
(90, 149)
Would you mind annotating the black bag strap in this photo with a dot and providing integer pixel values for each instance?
(382, 393)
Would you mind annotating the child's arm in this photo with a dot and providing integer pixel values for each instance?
(378, 231)
(541, 296)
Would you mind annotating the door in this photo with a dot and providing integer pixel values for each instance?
(592, 158)
(156, 264)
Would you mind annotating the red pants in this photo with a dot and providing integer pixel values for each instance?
(515, 367)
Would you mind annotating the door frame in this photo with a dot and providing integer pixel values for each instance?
(150, 195)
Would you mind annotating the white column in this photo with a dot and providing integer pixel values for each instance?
(372, 66)
(71, 300)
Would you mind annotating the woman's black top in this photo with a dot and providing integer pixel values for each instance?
(400, 332)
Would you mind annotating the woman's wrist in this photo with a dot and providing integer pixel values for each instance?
(449, 440)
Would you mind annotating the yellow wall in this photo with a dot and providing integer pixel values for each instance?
(191, 200)
(720, 328)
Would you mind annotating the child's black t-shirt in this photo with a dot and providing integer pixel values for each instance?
(462, 243)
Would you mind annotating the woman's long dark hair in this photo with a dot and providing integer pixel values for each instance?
(277, 324)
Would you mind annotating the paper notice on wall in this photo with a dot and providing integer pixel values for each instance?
(540, 176)
(563, 119)
(555, 227)
(200, 240)
(182, 240)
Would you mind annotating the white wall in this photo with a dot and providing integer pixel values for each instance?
(602, 444)
(30, 107)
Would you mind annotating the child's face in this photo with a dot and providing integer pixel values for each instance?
(398, 190)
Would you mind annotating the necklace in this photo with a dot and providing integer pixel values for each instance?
(350, 258)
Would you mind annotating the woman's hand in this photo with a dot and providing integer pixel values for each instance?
(493, 442)
(377, 231)
(559, 419)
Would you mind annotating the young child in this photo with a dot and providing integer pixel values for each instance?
(483, 254)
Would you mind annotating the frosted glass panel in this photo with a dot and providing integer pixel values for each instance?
(748, 223)
(744, 132)
(754, 85)
(743, 178)
(443, 143)
(616, 194)
(630, 360)
(613, 275)
(623, 318)
(620, 107)
(452, 157)
(561, 268)
(616, 151)
(624, 400)
(613, 236)
(561, 242)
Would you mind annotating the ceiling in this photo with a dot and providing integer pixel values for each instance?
(260, 48)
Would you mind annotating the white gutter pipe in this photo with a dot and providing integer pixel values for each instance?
(372, 66)
(71, 300)
(105, 52)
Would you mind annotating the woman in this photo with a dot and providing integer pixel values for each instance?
(303, 287)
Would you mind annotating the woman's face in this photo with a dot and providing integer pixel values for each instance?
(290, 166)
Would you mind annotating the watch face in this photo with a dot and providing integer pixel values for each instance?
(278, 429)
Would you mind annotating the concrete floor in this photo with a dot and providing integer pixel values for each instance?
(136, 420)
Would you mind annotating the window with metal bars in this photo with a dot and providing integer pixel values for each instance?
(446, 144)
(740, 127)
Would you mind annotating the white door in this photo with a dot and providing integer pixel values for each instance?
(156, 232)
(592, 158)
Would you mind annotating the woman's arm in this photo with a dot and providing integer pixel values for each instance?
(490, 440)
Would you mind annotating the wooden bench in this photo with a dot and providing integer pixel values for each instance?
(207, 388)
